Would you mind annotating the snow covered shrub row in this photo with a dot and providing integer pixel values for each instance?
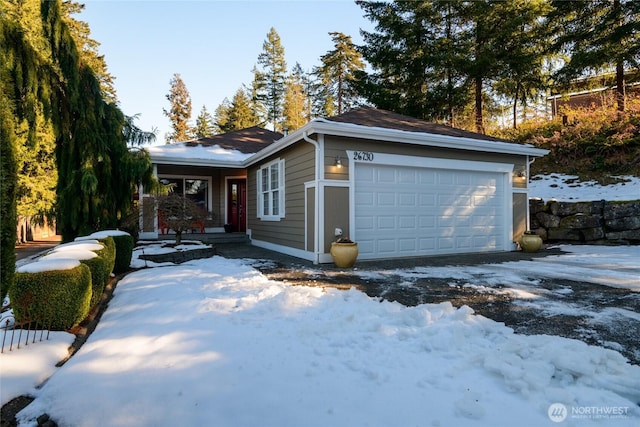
(53, 290)
(123, 247)
(55, 294)
(94, 255)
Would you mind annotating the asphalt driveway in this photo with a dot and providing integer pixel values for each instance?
(525, 301)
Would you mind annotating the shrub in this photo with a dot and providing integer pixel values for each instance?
(124, 252)
(55, 298)
(123, 247)
(97, 264)
(109, 251)
(99, 277)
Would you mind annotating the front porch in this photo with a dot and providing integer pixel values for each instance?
(208, 238)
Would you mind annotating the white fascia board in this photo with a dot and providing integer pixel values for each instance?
(181, 161)
(424, 138)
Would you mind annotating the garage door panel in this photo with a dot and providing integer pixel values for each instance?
(386, 200)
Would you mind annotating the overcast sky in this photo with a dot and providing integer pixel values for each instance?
(212, 44)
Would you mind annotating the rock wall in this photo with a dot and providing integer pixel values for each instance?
(586, 222)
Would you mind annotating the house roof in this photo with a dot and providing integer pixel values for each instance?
(380, 125)
(373, 117)
(229, 149)
(248, 140)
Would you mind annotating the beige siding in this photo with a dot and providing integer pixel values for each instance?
(520, 206)
(290, 230)
(311, 218)
(336, 214)
(337, 147)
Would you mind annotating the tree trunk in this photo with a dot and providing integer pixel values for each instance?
(479, 122)
(620, 94)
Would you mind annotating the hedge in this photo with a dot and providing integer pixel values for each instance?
(123, 247)
(58, 299)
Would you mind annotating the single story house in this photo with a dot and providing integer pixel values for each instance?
(396, 185)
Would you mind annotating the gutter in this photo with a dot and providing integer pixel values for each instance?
(316, 195)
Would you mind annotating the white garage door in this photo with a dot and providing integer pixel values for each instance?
(408, 211)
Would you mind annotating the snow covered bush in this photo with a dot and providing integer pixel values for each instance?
(109, 251)
(53, 293)
(123, 247)
(124, 252)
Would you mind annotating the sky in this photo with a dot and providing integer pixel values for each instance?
(212, 44)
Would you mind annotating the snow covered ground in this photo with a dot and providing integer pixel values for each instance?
(214, 342)
(568, 188)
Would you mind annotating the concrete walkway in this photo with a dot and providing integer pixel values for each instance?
(26, 250)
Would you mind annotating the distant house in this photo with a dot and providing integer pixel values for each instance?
(398, 186)
(592, 92)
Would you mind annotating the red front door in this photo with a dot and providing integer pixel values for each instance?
(236, 204)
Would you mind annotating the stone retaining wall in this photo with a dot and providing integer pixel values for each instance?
(594, 222)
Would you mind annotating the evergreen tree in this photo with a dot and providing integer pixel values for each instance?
(204, 124)
(416, 53)
(180, 112)
(240, 114)
(431, 58)
(338, 71)
(89, 48)
(523, 76)
(221, 116)
(51, 82)
(273, 78)
(295, 101)
(597, 35)
(8, 166)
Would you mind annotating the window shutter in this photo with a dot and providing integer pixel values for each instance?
(281, 185)
(259, 193)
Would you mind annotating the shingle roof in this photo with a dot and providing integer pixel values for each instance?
(248, 140)
(373, 117)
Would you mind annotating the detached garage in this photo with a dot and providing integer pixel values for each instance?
(398, 186)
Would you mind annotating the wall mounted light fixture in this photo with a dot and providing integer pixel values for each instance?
(338, 162)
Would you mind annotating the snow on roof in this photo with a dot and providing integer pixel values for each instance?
(49, 265)
(186, 150)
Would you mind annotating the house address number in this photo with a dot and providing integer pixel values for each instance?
(364, 156)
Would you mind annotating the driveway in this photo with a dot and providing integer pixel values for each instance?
(554, 291)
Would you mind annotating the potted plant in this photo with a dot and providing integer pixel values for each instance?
(530, 241)
(344, 252)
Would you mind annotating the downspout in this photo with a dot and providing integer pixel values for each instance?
(316, 225)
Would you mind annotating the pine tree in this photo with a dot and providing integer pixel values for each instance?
(240, 114)
(598, 35)
(523, 75)
(295, 101)
(204, 124)
(416, 54)
(221, 116)
(339, 69)
(273, 78)
(180, 112)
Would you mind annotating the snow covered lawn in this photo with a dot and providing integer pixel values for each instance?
(214, 342)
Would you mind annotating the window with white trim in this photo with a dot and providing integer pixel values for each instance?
(271, 191)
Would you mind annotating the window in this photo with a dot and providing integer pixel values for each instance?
(194, 188)
(271, 191)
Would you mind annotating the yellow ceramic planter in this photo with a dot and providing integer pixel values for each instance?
(344, 254)
(530, 242)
